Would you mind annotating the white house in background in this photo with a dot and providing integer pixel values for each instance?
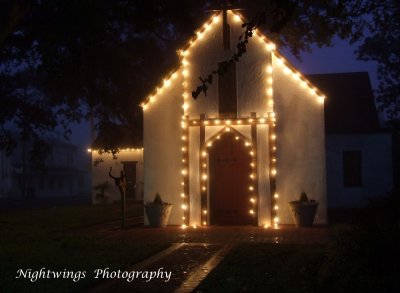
(240, 154)
(66, 172)
(358, 151)
(129, 159)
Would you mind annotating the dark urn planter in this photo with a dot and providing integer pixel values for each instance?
(303, 212)
(158, 215)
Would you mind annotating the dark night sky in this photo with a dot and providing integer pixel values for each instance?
(338, 58)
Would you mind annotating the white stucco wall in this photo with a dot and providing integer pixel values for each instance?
(300, 128)
(377, 174)
(203, 57)
(100, 173)
(300, 144)
(264, 211)
(162, 147)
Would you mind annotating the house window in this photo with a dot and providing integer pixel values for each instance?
(352, 169)
(227, 93)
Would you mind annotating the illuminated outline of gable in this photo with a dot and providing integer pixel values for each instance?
(288, 67)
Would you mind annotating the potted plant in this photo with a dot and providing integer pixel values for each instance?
(158, 212)
(303, 210)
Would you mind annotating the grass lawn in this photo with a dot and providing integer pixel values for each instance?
(363, 259)
(266, 268)
(34, 239)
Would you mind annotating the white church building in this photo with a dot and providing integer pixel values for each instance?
(241, 153)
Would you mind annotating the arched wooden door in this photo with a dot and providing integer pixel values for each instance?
(229, 171)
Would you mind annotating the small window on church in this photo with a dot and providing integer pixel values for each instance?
(227, 93)
(352, 169)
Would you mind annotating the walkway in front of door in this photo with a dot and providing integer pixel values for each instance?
(196, 252)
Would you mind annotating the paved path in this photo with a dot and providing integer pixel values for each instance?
(196, 252)
(222, 235)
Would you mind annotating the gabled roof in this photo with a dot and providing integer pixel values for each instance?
(351, 105)
(199, 34)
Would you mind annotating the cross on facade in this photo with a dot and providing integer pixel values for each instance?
(226, 29)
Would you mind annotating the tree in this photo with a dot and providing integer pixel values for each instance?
(383, 46)
(67, 60)
(298, 24)
(64, 61)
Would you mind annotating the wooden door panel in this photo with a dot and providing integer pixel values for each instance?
(229, 182)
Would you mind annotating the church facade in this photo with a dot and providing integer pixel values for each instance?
(241, 153)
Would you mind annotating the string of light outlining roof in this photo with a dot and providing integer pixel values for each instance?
(229, 124)
(199, 35)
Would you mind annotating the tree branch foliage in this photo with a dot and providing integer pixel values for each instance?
(298, 25)
(66, 60)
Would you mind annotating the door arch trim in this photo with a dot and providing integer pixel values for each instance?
(205, 173)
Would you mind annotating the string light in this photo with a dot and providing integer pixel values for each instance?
(89, 150)
(204, 176)
(167, 82)
(270, 47)
(237, 18)
(286, 70)
(185, 63)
